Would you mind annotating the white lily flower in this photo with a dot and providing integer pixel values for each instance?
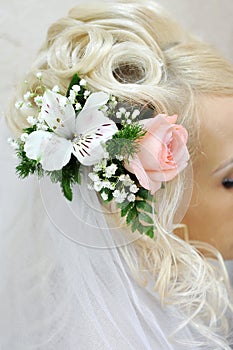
(81, 135)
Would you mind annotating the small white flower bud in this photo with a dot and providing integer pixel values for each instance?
(83, 82)
(31, 120)
(78, 106)
(76, 88)
(133, 189)
(38, 100)
(56, 89)
(39, 75)
(135, 113)
(27, 96)
(24, 137)
(94, 177)
(104, 196)
(131, 197)
(19, 104)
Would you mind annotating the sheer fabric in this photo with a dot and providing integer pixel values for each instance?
(64, 283)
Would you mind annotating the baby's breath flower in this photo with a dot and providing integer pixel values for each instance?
(86, 93)
(94, 177)
(78, 106)
(14, 144)
(24, 137)
(39, 75)
(29, 105)
(28, 95)
(126, 180)
(76, 88)
(82, 82)
(38, 100)
(133, 188)
(119, 157)
(98, 185)
(107, 184)
(110, 170)
(31, 120)
(104, 196)
(41, 126)
(97, 167)
(112, 98)
(56, 89)
(135, 113)
(119, 196)
(128, 121)
(19, 104)
(131, 197)
(72, 97)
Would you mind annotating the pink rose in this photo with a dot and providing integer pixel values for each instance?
(163, 152)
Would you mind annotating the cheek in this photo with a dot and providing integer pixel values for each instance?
(209, 218)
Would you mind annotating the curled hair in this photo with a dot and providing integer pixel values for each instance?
(135, 51)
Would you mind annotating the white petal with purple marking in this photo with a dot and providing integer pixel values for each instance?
(90, 117)
(59, 114)
(88, 149)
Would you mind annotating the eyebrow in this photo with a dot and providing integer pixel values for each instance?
(222, 166)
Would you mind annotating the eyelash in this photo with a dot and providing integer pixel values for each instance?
(227, 183)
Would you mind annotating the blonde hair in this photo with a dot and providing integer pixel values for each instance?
(134, 50)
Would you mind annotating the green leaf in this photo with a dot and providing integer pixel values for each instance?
(146, 218)
(144, 194)
(76, 173)
(135, 224)
(66, 188)
(133, 213)
(140, 228)
(125, 209)
(143, 205)
(149, 231)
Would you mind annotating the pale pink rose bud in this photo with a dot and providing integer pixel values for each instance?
(163, 152)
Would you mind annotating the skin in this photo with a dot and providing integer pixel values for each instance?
(210, 215)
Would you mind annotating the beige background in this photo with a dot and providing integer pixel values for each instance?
(23, 25)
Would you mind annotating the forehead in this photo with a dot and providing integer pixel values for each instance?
(216, 128)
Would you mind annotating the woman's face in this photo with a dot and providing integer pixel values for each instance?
(210, 215)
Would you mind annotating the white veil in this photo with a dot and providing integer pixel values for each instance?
(64, 284)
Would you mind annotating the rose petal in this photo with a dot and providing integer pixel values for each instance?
(135, 166)
(59, 114)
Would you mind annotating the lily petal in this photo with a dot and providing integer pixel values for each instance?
(88, 149)
(36, 143)
(59, 114)
(52, 151)
(96, 100)
(90, 117)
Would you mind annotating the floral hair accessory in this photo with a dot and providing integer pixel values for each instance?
(130, 151)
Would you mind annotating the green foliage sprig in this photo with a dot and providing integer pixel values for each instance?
(125, 141)
(138, 213)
